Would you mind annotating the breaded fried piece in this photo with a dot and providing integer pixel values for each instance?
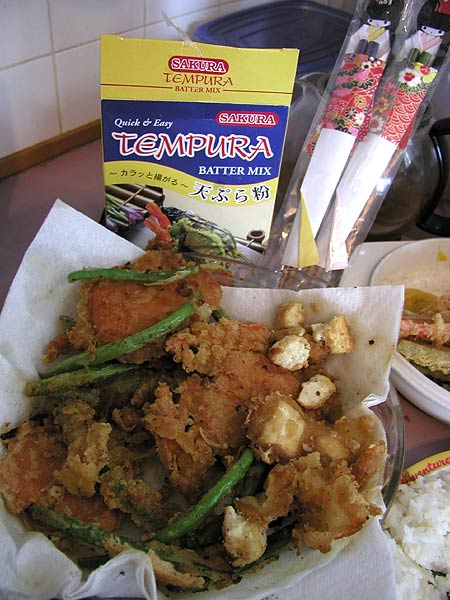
(127, 451)
(209, 418)
(158, 260)
(216, 409)
(27, 468)
(280, 429)
(276, 427)
(181, 447)
(120, 308)
(166, 572)
(359, 433)
(332, 506)
(252, 375)
(27, 476)
(86, 457)
(427, 356)
(326, 498)
(87, 451)
(276, 500)
(440, 305)
(342, 510)
(146, 506)
(89, 510)
(244, 540)
(109, 310)
(204, 347)
(369, 463)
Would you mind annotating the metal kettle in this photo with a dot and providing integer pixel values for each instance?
(418, 199)
(429, 219)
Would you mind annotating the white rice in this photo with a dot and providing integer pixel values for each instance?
(434, 278)
(418, 525)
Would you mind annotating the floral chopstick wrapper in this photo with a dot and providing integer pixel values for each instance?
(345, 118)
(351, 100)
(390, 63)
(396, 110)
(405, 86)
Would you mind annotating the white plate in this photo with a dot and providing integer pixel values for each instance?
(369, 264)
(408, 263)
(423, 265)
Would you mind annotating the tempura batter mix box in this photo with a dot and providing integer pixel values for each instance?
(194, 130)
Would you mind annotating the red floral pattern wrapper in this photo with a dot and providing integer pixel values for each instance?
(351, 101)
(395, 111)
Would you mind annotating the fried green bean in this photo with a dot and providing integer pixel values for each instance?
(149, 277)
(96, 536)
(113, 350)
(208, 502)
(249, 485)
(75, 379)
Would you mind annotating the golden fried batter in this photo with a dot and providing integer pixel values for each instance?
(146, 506)
(276, 500)
(208, 419)
(109, 310)
(181, 447)
(326, 498)
(87, 450)
(204, 347)
(27, 468)
(27, 476)
(90, 510)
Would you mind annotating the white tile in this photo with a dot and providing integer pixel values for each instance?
(161, 31)
(81, 21)
(28, 110)
(186, 23)
(78, 81)
(24, 30)
(175, 8)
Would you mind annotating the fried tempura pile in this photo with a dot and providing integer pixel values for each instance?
(197, 399)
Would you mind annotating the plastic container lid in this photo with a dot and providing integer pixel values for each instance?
(317, 30)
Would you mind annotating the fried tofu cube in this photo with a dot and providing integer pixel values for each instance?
(291, 352)
(335, 333)
(276, 428)
(244, 541)
(331, 446)
(316, 391)
(289, 314)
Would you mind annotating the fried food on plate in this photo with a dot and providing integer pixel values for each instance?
(424, 338)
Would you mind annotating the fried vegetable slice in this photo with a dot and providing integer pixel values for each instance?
(426, 356)
(113, 350)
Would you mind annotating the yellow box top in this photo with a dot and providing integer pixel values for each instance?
(147, 69)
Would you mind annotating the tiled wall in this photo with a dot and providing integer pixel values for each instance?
(49, 56)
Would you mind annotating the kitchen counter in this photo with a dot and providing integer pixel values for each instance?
(25, 199)
(76, 178)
